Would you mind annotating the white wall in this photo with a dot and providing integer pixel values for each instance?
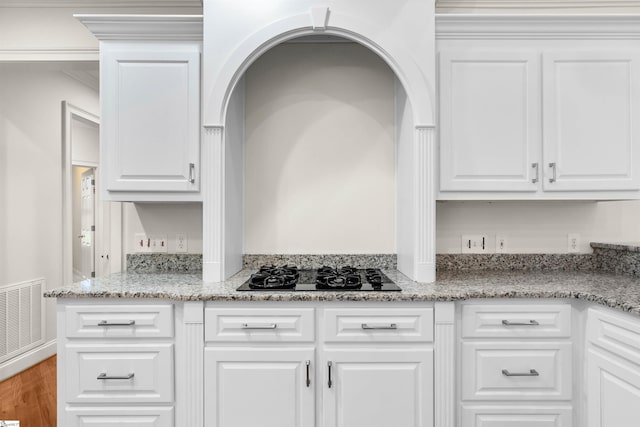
(31, 174)
(162, 219)
(319, 151)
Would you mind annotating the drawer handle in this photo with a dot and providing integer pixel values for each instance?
(103, 376)
(531, 373)
(271, 326)
(107, 323)
(529, 323)
(390, 326)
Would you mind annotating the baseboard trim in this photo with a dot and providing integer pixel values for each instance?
(26, 360)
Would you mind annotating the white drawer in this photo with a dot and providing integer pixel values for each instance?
(616, 332)
(120, 417)
(119, 321)
(521, 416)
(516, 321)
(378, 324)
(149, 366)
(516, 371)
(259, 324)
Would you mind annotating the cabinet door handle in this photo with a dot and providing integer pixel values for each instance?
(192, 172)
(329, 383)
(534, 166)
(390, 326)
(308, 376)
(529, 323)
(555, 172)
(531, 373)
(107, 323)
(104, 376)
(248, 326)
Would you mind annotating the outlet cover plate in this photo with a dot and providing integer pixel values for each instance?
(573, 243)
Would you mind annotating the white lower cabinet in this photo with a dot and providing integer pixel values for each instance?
(377, 387)
(613, 369)
(120, 417)
(516, 416)
(267, 387)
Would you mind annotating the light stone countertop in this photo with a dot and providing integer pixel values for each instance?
(617, 291)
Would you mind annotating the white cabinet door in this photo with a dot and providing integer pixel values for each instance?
(489, 121)
(613, 390)
(150, 119)
(264, 387)
(591, 122)
(377, 387)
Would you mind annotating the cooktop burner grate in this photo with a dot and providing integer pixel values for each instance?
(289, 278)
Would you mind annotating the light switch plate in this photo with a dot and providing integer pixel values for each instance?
(474, 244)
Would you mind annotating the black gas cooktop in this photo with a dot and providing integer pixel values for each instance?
(289, 278)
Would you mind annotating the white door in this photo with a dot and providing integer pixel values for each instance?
(591, 122)
(87, 224)
(377, 388)
(265, 387)
(613, 390)
(490, 130)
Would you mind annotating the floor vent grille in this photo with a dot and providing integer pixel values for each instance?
(21, 318)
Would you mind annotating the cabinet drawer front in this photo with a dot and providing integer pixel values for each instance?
(134, 373)
(516, 321)
(618, 333)
(516, 371)
(259, 324)
(378, 324)
(119, 321)
(522, 416)
(120, 417)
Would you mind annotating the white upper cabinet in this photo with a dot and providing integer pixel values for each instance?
(591, 121)
(150, 106)
(538, 107)
(489, 121)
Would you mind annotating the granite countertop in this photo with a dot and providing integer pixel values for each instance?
(617, 291)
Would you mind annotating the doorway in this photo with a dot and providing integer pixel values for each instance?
(92, 243)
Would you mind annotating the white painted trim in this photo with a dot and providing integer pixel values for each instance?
(26, 360)
(444, 364)
(99, 3)
(529, 5)
(537, 27)
(212, 190)
(46, 54)
(144, 27)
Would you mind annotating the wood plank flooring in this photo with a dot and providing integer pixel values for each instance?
(30, 396)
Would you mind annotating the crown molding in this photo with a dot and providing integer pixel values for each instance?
(533, 5)
(100, 3)
(48, 54)
(144, 27)
(539, 26)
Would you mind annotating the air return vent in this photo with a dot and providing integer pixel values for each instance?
(21, 318)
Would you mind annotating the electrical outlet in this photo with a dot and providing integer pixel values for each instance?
(474, 244)
(158, 243)
(501, 243)
(181, 242)
(573, 242)
(142, 243)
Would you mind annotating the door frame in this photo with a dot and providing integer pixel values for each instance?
(69, 112)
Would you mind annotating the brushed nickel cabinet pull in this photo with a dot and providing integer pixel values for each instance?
(391, 326)
(554, 170)
(107, 323)
(529, 323)
(271, 326)
(531, 373)
(192, 168)
(534, 166)
(104, 376)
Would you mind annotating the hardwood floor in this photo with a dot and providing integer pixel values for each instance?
(30, 396)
